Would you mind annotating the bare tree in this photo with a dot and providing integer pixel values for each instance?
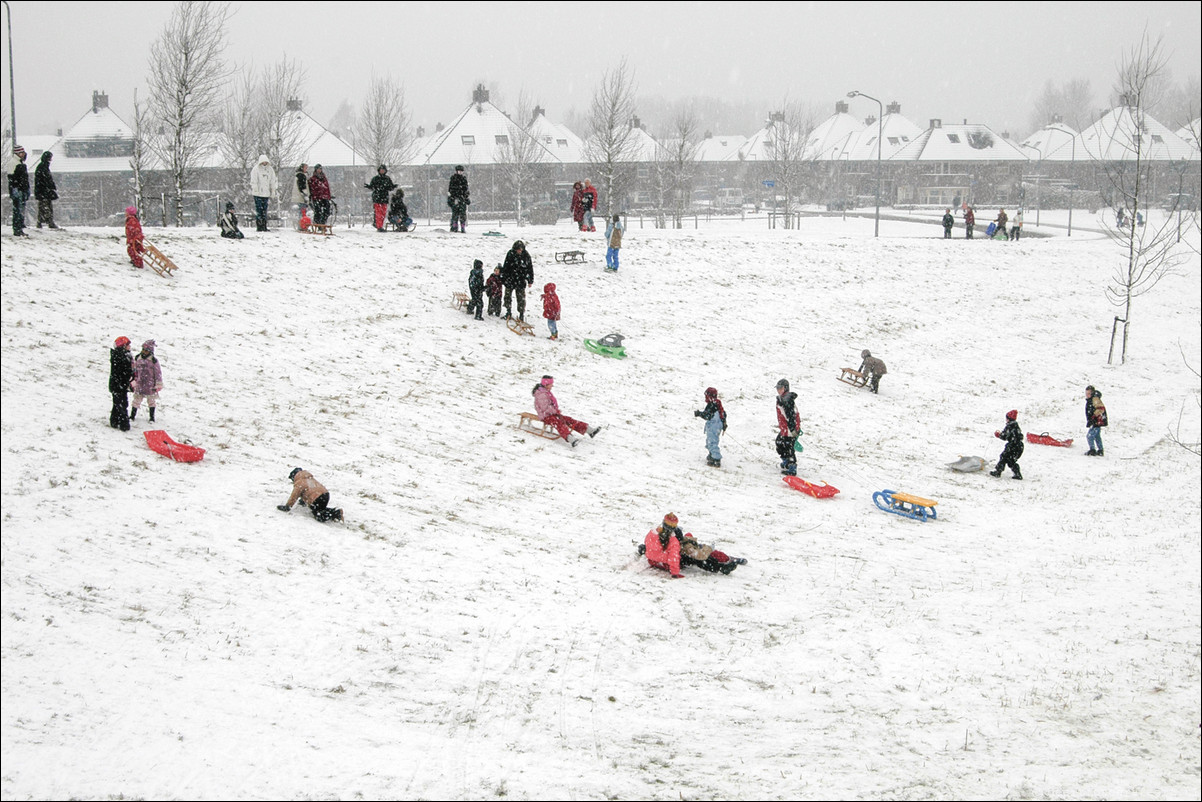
(610, 144)
(1175, 435)
(1149, 245)
(1072, 102)
(787, 137)
(139, 159)
(521, 157)
(675, 167)
(239, 140)
(382, 132)
(281, 118)
(187, 70)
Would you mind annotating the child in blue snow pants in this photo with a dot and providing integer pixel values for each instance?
(715, 424)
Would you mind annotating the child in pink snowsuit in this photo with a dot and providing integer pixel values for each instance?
(547, 409)
(133, 237)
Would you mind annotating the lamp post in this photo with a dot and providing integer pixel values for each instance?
(1072, 172)
(880, 127)
(12, 91)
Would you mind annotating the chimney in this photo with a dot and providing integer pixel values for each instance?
(1057, 119)
(636, 123)
(841, 107)
(776, 116)
(870, 119)
(539, 111)
(936, 122)
(100, 100)
(438, 128)
(421, 131)
(479, 94)
(965, 121)
(294, 104)
(893, 108)
(1125, 101)
(60, 132)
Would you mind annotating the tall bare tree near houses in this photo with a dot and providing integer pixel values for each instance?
(187, 74)
(611, 144)
(675, 167)
(238, 139)
(788, 133)
(520, 158)
(1149, 248)
(283, 130)
(139, 157)
(383, 127)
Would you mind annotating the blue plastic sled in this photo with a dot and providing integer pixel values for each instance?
(991, 230)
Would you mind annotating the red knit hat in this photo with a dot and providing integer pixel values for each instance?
(1012, 415)
(121, 342)
(671, 520)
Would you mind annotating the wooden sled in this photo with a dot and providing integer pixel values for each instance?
(324, 229)
(459, 300)
(809, 488)
(905, 505)
(158, 262)
(853, 377)
(519, 327)
(570, 257)
(161, 443)
(530, 424)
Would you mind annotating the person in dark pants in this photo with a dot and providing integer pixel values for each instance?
(44, 191)
(872, 369)
(312, 494)
(18, 191)
(789, 424)
(475, 286)
(319, 196)
(948, 223)
(263, 187)
(517, 274)
(121, 375)
(458, 198)
(1095, 419)
(1014, 446)
(495, 289)
(970, 222)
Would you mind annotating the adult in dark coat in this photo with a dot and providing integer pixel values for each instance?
(44, 191)
(121, 375)
(458, 198)
(1014, 446)
(381, 187)
(18, 191)
(517, 274)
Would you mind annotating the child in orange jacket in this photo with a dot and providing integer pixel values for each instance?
(133, 237)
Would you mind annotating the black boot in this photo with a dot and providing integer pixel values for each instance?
(133, 413)
(152, 414)
(1101, 452)
(995, 473)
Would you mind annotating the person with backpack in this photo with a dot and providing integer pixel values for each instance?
(788, 423)
(18, 191)
(381, 187)
(458, 198)
(1095, 419)
(588, 202)
(715, 424)
(1014, 446)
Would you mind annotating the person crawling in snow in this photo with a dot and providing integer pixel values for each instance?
(312, 494)
(1014, 446)
(670, 548)
(715, 424)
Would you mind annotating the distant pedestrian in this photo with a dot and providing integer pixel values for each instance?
(1002, 219)
(613, 236)
(458, 198)
(18, 191)
(970, 222)
(121, 375)
(45, 191)
(134, 241)
(1016, 228)
(148, 380)
(948, 222)
(381, 187)
(263, 187)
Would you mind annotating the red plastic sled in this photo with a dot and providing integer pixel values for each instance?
(1046, 439)
(161, 443)
(809, 488)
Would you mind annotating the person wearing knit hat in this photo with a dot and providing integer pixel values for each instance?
(1095, 419)
(381, 187)
(313, 494)
(1013, 450)
(788, 424)
(458, 198)
(872, 369)
(670, 548)
(547, 409)
(45, 191)
(148, 380)
(134, 241)
(229, 223)
(715, 424)
(475, 289)
(121, 376)
(18, 191)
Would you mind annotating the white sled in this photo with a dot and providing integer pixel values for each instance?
(968, 464)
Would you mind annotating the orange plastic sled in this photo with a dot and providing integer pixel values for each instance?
(161, 443)
(809, 488)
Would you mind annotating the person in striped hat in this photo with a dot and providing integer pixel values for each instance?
(670, 548)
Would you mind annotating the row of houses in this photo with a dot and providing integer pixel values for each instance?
(842, 159)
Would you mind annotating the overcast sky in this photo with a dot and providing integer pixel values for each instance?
(986, 62)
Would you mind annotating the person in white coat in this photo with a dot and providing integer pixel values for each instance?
(263, 187)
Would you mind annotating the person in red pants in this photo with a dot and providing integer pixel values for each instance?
(133, 237)
(668, 547)
(547, 409)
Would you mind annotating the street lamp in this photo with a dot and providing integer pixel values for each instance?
(12, 90)
(880, 127)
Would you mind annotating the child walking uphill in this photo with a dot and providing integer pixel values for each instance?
(715, 424)
(1014, 446)
(551, 309)
(475, 286)
(613, 235)
(547, 409)
(134, 245)
(789, 424)
(148, 380)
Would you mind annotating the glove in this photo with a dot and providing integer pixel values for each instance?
(696, 413)
(283, 508)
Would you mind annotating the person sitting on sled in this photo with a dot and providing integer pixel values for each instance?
(398, 212)
(229, 223)
(547, 409)
(312, 494)
(668, 547)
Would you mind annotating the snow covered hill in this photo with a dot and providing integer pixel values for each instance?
(480, 625)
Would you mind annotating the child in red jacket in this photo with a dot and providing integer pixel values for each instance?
(133, 237)
(551, 310)
(668, 547)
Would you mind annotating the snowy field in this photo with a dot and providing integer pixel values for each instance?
(480, 625)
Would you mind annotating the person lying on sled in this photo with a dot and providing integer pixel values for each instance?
(668, 547)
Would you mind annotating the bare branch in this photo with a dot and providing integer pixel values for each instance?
(382, 131)
(611, 144)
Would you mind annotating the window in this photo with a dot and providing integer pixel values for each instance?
(467, 141)
(893, 140)
(502, 139)
(563, 143)
(546, 140)
(953, 138)
(1158, 139)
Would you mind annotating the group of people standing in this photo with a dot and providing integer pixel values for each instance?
(1014, 232)
(142, 375)
(45, 191)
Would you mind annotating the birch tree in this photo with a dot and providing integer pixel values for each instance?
(139, 158)
(282, 123)
(187, 73)
(521, 156)
(382, 129)
(610, 144)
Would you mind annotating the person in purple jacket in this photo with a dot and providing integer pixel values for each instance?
(148, 379)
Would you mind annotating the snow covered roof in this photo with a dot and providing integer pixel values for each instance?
(758, 146)
(1053, 142)
(644, 147)
(1111, 138)
(897, 132)
(476, 136)
(1190, 132)
(324, 146)
(557, 138)
(834, 136)
(960, 143)
(720, 148)
(99, 123)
